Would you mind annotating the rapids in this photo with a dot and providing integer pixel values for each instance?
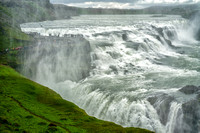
(128, 69)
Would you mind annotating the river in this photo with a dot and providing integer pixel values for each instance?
(127, 69)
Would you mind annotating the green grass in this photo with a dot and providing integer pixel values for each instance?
(29, 107)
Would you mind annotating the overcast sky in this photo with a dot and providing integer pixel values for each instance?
(122, 4)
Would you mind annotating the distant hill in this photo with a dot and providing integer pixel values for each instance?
(36, 10)
(185, 10)
(40, 10)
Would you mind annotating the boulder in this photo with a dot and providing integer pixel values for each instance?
(162, 103)
(190, 89)
(191, 119)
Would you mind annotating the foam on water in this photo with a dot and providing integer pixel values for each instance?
(138, 64)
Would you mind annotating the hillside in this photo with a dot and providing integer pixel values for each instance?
(10, 37)
(35, 10)
(29, 107)
(185, 11)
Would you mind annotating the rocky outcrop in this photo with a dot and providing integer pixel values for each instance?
(191, 110)
(190, 89)
(191, 117)
(197, 21)
(162, 103)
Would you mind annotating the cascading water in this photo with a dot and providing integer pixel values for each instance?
(126, 69)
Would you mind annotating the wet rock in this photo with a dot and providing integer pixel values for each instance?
(114, 55)
(171, 35)
(169, 43)
(198, 35)
(162, 105)
(158, 38)
(125, 72)
(114, 68)
(124, 37)
(160, 31)
(133, 45)
(191, 119)
(104, 44)
(190, 89)
(94, 56)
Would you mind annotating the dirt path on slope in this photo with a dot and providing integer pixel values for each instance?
(42, 117)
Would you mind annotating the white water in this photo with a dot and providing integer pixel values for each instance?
(138, 64)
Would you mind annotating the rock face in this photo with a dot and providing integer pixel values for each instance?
(57, 59)
(191, 117)
(191, 110)
(198, 27)
(190, 89)
(195, 20)
(162, 105)
(187, 113)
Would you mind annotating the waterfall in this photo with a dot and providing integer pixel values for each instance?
(47, 60)
(125, 69)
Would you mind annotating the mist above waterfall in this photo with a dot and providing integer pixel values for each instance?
(128, 69)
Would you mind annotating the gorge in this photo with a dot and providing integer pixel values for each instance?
(137, 67)
(134, 70)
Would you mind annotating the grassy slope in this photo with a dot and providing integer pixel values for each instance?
(28, 106)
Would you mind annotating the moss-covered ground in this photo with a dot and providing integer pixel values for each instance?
(29, 107)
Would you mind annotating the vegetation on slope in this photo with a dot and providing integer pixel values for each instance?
(36, 10)
(13, 13)
(10, 37)
(29, 107)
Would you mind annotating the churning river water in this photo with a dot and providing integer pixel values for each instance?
(127, 69)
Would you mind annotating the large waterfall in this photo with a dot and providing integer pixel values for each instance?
(124, 68)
